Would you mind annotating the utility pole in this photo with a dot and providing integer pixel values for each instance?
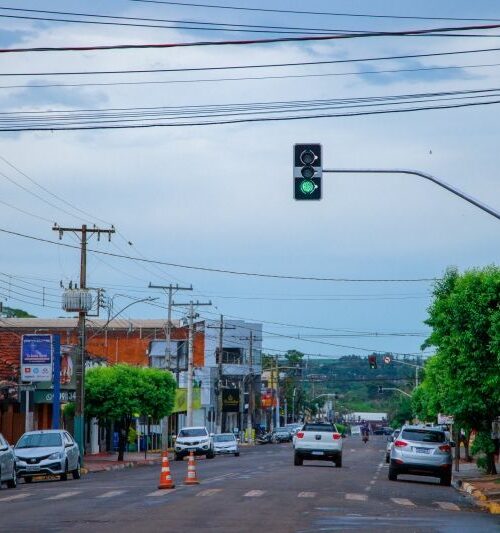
(191, 317)
(277, 395)
(168, 351)
(85, 233)
(250, 390)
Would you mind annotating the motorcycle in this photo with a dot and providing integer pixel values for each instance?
(365, 438)
(264, 438)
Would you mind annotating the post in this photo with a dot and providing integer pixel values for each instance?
(56, 381)
(293, 404)
(250, 390)
(189, 417)
(219, 375)
(27, 418)
(277, 395)
(285, 404)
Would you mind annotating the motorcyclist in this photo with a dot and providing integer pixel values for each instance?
(365, 431)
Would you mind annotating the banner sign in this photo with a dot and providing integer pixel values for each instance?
(36, 358)
(230, 400)
(180, 404)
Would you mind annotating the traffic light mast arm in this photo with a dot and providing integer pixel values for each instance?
(429, 177)
(383, 389)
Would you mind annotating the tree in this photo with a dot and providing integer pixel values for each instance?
(463, 378)
(121, 392)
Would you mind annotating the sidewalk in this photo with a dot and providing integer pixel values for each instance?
(484, 489)
(104, 462)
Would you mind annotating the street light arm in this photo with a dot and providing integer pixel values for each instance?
(396, 389)
(434, 179)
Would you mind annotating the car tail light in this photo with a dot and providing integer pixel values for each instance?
(300, 434)
(445, 448)
(400, 443)
(336, 436)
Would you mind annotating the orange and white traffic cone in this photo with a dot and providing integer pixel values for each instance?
(166, 481)
(191, 478)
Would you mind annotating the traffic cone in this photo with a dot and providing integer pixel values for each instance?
(166, 481)
(191, 478)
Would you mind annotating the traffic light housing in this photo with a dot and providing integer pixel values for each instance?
(380, 391)
(307, 171)
(372, 361)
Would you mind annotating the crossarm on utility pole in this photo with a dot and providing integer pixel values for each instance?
(424, 175)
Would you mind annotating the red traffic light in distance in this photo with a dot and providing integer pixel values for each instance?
(372, 361)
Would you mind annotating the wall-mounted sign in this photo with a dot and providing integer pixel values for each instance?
(230, 400)
(36, 358)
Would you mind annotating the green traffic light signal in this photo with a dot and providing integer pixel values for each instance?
(307, 187)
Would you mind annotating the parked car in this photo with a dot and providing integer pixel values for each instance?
(226, 443)
(7, 464)
(293, 428)
(422, 451)
(52, 452)
(282, 435)
(194, 439)
(318, 441)
(390, 441)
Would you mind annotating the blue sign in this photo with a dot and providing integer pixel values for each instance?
(36, 358)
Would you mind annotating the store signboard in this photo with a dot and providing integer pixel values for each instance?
(36, 357)
(230, 400)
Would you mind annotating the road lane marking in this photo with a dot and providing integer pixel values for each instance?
(254, 493)
(63, 495)
(16, 497)
(403, 501)
(448, 506)
(372, 482)
(357, 497)
(209, 492)
(306, 495)
(111, 494)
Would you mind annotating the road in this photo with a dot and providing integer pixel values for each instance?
(260, 490)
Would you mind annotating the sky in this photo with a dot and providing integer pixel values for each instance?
(220, 196)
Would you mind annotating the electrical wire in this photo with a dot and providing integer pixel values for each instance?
(246, 42)
(216, 270)
(253, 66)
(299, 12)
(250, 78)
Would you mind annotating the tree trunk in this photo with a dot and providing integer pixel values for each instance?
(123, 438)
(468, 456)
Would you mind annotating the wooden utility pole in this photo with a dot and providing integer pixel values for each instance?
(191, 317)
(84, 233)
(172, 289)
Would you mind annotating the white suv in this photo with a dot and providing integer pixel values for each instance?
(318, 441)
(194, 439)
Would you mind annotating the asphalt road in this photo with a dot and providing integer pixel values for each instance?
(259, 491)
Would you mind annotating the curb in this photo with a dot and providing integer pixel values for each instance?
(122, 466)
(479, 497)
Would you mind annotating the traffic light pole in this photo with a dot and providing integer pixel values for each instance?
(490, 210)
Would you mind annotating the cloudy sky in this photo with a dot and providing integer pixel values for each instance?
(220, 196)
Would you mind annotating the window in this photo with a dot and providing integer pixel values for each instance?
(193, 432)
(224, 438)
(423, 435)
(330, 428)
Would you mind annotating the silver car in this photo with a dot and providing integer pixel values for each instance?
(47, 452)
(226, 443)
(7, 464)
(422, 451)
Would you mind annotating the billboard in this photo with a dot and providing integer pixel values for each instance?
(36, 358)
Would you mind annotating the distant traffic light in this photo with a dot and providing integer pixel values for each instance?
(307, 171)
(380, 390)
(372, 361)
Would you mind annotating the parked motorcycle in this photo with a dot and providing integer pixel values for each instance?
(264, 438)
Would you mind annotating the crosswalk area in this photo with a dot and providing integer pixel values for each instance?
(219, 492)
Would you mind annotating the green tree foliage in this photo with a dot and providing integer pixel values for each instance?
(12, 312)
(463, 378)
(121, 392)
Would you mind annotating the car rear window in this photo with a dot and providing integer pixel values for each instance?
(330, 428)
(423, 435)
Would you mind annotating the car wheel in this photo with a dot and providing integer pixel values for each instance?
(12, 483)
(237, 454)
(297, 460)
(387, 459)
(177, 457)
(210, 454)
(64, 477)
(77, 472)
(393, 474)
(445, 480)
(338, 461)
(28, 479)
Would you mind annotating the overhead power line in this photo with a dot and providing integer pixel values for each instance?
(254, 66)
(214, 270)
(304, 38)
(300, 12)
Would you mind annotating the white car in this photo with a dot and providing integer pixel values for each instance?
(194, 439)
(47, 452)
(390, 441)
(226, 443)
(318, 441)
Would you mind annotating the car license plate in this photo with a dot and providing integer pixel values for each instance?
(317, 453)
(423, 450)
(191, 449)
(32, 468)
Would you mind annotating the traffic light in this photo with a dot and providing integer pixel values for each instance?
(307, 171)
(372, 361)
(380, 391)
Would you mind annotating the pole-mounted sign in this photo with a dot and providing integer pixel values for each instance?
(307, 171)
(36, 358)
